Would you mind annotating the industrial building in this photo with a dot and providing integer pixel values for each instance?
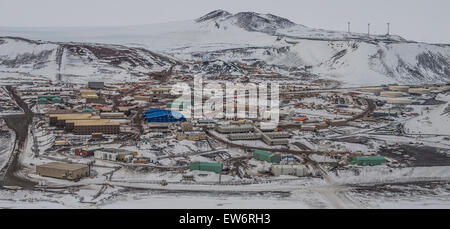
(191, 136)
(372, 89)
(111, 154)
(96, 85)
(60, 119)
(368, 160)
(399, 101)
(419, 91)
(142, 98)
(161, 90)
(92, 98)
(45, 99)
(398, 88)
(63, 170)
(216, 167)
(157, 115)
(228, 129)
(266, 156)
(274, 141)
(87, 127)
(244, 136)
(293, 170)
(87, 92)
(392, 94)
(112, 115)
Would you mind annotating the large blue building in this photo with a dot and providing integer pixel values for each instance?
(157, 115)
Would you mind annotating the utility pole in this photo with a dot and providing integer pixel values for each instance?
(348, 27)
(368, 29)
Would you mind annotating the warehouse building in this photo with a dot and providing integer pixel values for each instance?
(274, 141)
(228, 129)
(87, 127)
(70, 124)
(277, 134)
(142, 98)
(87, 92)
(372, 89)
(112, 115)
(398, 88)
(266, 156)
(60, 119)
(216, 167)
(161, 90)
(244, 136)
(368, 160)
(399, 101)
(391, 94)
(157, 115)
(293, 170)
(63, 170)
(419, 91)
(92, 98)
(96, 85)
(45, 99)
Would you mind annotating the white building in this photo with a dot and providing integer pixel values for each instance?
(293, 170)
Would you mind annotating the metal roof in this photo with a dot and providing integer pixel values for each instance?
(62, 166)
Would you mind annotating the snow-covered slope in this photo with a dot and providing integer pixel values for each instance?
(253, 38)
(78, 62)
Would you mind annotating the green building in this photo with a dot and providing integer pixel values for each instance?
(266, 156)
(56, 100)
(47, 96)
(42, 101)
(207, 166)
(368, 160)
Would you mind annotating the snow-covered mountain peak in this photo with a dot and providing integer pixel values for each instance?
(249, 21)
(213, 15)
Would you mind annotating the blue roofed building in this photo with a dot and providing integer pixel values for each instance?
(157, 115)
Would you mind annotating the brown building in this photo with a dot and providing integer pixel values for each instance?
(99, 126)
(60, 119)
(63, 170)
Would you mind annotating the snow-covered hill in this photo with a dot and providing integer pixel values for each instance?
(79, 62)
(248, 37)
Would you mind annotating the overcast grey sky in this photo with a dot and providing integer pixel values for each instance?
(420, 20)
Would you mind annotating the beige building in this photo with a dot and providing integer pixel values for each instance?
(398, 88)
(391, 94)
(399, 101)
(63, 170)
(372, 89)
(192, 136)
(142, 98)
(419, 91)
